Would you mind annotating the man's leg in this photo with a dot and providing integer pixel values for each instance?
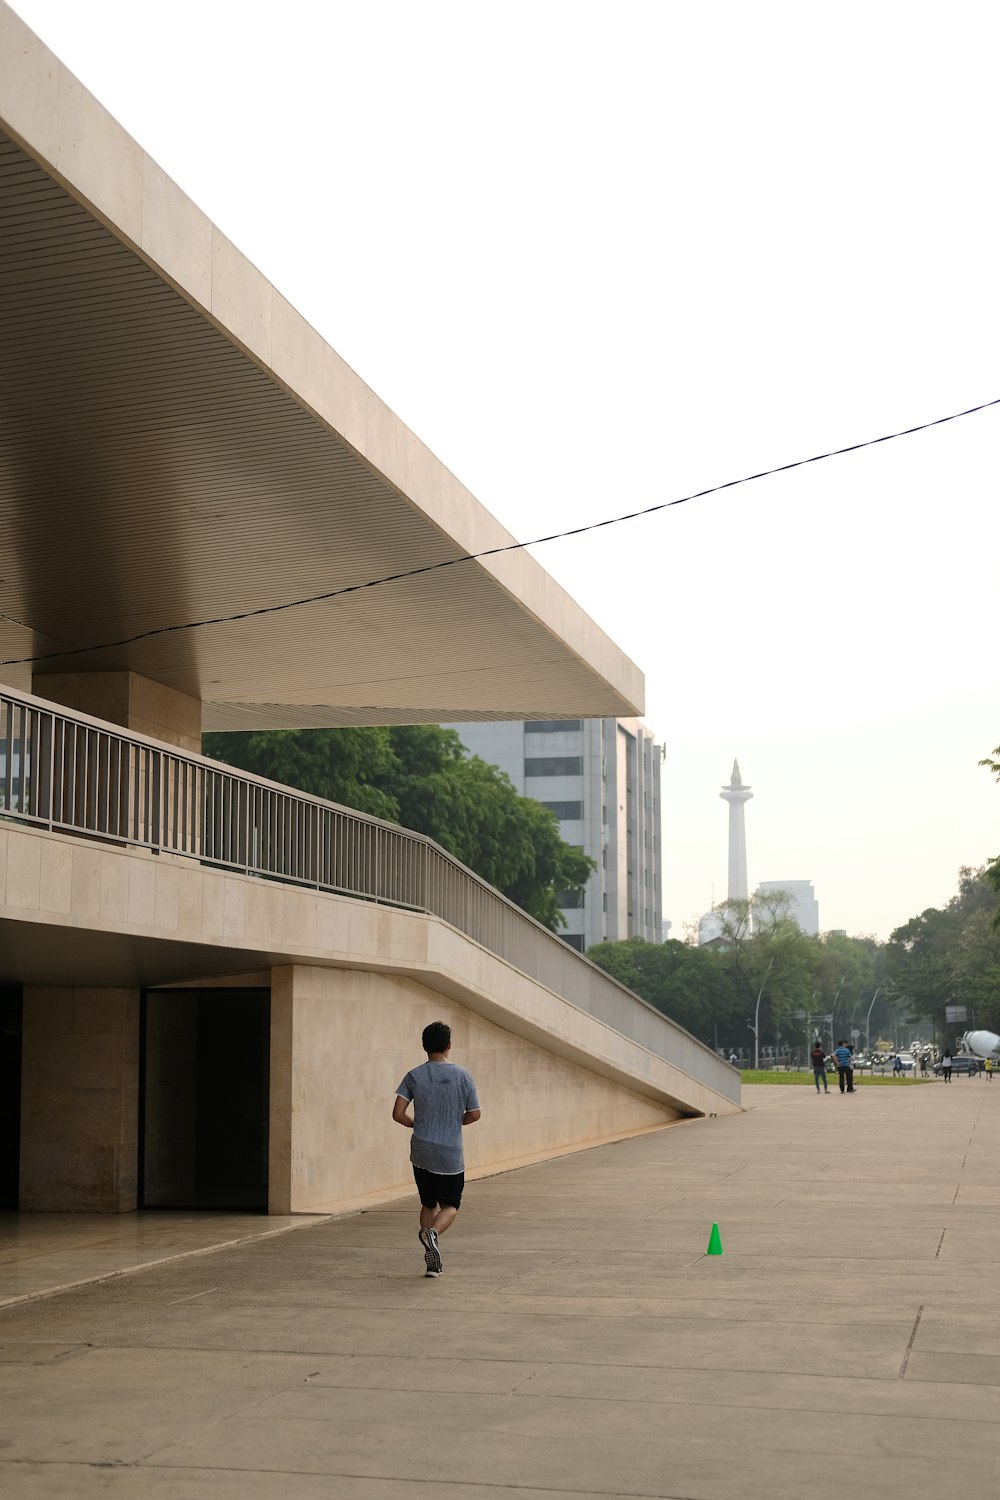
(816, 1078)
(444, 1219)
(841, 1078)
(429, 1209)
(850, 1080)
(446, 1192)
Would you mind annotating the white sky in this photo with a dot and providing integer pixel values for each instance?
(599, 256)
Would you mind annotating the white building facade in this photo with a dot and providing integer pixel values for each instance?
(601, 778)
(804, 908)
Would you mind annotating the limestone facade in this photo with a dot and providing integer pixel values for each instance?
(89, 926)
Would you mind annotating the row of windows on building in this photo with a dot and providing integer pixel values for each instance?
(553, 765)
(578, 941)
(552, 726)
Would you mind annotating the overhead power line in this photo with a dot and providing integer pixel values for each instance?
(538, 541)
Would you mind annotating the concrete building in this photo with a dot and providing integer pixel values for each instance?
(804, 909)
(601, 778)
(209, 984)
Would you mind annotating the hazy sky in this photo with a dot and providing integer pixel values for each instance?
(599, 256)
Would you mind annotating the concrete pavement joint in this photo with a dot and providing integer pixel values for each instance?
(312, 1222)
(529, 1378)
(913, 1335)
(937, 1252)
(463, 1484)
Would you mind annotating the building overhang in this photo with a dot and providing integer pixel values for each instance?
(179, 446)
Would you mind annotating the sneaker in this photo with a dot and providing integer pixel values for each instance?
(432, 1254)
(429, 1272)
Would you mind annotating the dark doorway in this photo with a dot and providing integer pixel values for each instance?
(10, 1094)
(204, 1106)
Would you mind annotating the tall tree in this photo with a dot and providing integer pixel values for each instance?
(690, 985)
(343, 765)
(950, 955)
(420, 776)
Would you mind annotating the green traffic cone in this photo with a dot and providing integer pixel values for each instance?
(715, 1242)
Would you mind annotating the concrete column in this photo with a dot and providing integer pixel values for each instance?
(281, 1093)
(125, 698)
(79, 1100)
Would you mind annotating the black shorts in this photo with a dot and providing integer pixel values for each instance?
(439, 1189)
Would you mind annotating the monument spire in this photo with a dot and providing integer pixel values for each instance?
(737, 795)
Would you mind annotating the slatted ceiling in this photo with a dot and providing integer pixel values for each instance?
(152, 473)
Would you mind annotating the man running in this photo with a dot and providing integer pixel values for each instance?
(444, 1099)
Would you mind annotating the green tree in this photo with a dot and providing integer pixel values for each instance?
(420, 775)
(690, 985)
(343, 765)
(991, 872)
(949, 955)
(768, 955)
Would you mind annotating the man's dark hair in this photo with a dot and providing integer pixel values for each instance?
(436, 1037)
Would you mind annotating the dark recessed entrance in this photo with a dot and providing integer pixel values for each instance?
(10, 1094)
(204, 1104)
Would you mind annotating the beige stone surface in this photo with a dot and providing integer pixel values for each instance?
(45, 1253)
(131, 895)
(129, 699)
(340, 1043)
(569, 1350)
(79, 1100)
(176, 233)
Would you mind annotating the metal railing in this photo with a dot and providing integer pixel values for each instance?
(73, 774)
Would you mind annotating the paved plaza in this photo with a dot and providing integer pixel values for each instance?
(580, 1342)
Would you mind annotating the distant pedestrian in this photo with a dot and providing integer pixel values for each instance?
(733, 1059)
(444, 1099)
(988, 1069)
(897, 1066)
(923, 1065)
(845, 1070)
(946, 1061)
(818, 1059)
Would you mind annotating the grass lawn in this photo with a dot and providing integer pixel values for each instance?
(749, 1075)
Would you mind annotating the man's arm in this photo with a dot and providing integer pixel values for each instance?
(471, 1116)
(399, 1108)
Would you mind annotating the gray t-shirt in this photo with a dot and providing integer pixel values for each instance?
(440, 1092)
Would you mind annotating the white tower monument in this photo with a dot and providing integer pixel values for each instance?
(736, 794)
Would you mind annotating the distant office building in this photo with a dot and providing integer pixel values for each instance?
(601, 778)
(804, 909)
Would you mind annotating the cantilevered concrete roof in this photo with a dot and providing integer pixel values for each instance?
(177, 444)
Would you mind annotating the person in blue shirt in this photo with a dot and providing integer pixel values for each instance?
(845, 1072)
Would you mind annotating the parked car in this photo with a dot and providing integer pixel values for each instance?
(958, 1065)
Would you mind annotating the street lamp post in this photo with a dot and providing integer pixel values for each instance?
(755, 1028)
(833, 1011)
(868, 1020)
